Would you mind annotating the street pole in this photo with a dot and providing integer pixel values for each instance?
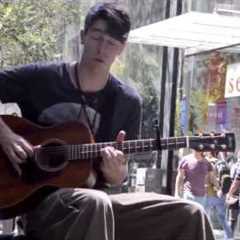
(173, 108)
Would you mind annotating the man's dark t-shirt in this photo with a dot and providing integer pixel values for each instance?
(46, 95)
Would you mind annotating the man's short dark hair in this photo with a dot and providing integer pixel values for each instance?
(118, 21)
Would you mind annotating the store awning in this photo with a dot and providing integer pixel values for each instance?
(193, 31)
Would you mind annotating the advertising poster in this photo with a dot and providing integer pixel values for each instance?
(232, 83)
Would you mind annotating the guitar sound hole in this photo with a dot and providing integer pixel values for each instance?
(51, 157)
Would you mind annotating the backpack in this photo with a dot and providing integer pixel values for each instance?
(225, 183)
(222, 168)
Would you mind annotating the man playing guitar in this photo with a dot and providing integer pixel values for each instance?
(85, 91)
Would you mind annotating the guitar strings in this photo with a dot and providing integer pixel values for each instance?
(134, 144)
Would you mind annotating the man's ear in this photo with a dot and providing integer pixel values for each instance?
(122, 48)
(82, 36)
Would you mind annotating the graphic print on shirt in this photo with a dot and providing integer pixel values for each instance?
(65, 112)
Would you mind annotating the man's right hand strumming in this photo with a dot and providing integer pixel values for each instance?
(14, 146)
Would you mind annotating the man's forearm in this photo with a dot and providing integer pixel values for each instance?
(212, 179)
(4, 129)
(234, 187)
(178, 186)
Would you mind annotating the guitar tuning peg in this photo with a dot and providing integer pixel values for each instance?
(212, 146)
(200, 146)
(224, 146)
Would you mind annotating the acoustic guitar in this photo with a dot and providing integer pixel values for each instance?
(66, 154)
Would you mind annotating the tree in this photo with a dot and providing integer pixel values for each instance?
(32, 30)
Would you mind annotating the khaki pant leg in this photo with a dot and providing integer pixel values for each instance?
(150, 216)
(72, 214)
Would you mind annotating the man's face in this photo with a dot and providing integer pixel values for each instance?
(99, 47)
(199, 154)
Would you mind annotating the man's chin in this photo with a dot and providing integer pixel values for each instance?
(98, 60)
(98, 63)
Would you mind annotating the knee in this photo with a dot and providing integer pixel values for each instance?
(193, 209)
(98, 198)
(92, 199)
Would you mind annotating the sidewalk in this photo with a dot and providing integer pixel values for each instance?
(218, 234)
(8, 228)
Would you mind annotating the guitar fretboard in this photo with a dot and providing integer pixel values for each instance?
(88, 151)
(93, 150)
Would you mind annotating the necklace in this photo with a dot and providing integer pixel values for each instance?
(83, 99)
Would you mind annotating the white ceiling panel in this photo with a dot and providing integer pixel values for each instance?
(193, 31)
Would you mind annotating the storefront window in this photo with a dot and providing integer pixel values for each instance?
(212, 92)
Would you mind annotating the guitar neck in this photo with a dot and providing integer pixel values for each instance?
(89, 151)
(54, 146)
(222, 143)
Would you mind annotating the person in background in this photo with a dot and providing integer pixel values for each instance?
(193, 173)
(232, 197)
(86, 91)
(215, 199)
(235, 165)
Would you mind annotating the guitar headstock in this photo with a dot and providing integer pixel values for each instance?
(222, 142)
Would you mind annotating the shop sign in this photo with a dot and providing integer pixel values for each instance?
(212, 116)
(235, 116)
(232, 84)
(184, 115)
(221, 113)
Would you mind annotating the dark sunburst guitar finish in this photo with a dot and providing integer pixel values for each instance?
(64, 156)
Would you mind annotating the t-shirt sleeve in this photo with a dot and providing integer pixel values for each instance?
(237, 176)
(182, 164)
(133, 128)
(210, 167)
(13, 83)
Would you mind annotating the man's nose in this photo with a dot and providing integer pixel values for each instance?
(102, 45)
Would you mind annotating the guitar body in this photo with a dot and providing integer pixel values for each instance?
(64, 156)
(17, 195)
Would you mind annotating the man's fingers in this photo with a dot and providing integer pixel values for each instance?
(23, 149)
(15, 161)
(107, 153)
(16, 167)
(112, 156)
(121, 136)
(20, 152)
(27, 147)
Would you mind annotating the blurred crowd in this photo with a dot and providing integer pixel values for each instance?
(212, 179)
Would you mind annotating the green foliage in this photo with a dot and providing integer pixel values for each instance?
(35, 30)
(32, 30)
(144, 73)
(177, 119)
(199, 109)
(140, 67)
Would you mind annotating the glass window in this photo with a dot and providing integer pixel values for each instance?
(212, 92)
